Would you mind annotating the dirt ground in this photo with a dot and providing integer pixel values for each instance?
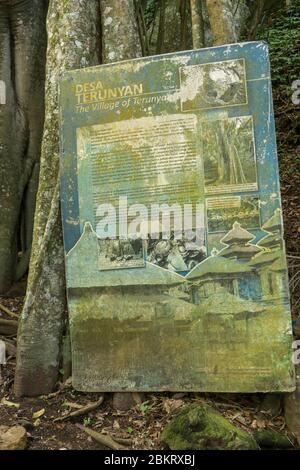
(140, 427)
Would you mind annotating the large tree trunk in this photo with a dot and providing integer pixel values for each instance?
(222, 22)
(73, 42)
(22, 62)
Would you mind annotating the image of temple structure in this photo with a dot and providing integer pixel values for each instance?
(247, 270)
(238, 245)
(244, 269)
(270, 263)
(228, 269)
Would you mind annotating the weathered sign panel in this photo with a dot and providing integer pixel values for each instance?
(175, 262)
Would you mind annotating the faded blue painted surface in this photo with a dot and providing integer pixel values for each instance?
(183, 319)
(259, 105)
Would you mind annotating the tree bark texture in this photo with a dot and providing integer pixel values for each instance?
(221, 16)
(73, 42)
(22, 64)
(120, 36)
(197, 24)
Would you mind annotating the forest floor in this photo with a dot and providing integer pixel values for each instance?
(142, 425)
(139, 427)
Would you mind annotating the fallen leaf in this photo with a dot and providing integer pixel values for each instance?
(11, 404)
(241, 420)
(177, 395)
(38, 414)
(172, 405)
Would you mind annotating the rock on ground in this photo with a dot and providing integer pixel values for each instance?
(13, 438)
(124, 401)
(199, 427)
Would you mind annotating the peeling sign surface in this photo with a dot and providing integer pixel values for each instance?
(205, 314)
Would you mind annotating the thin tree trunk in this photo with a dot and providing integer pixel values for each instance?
(197, 24)
(261, 11)
(73, 42)
(140, 26)
(221, 19)
(120, 37)
(257, 18)
(161, 27)
(144, 28)
(153, 22)
(183, 28)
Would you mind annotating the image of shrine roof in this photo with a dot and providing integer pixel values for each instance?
(240, 251)
(272, 239)
(274, 223)
(237, 234)
(274, 260)
(218, 265)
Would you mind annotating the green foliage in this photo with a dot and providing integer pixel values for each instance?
(283, 36)
(130, 430)
(145, 406)
(149, 11)
(88, 422)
